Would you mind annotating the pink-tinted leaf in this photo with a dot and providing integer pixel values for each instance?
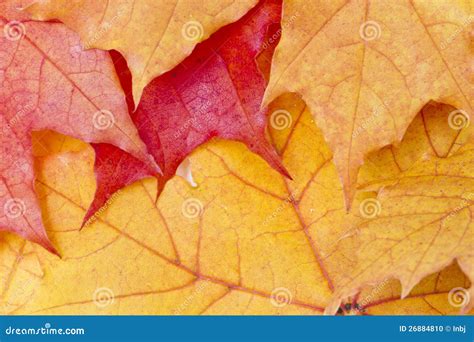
(49, 82)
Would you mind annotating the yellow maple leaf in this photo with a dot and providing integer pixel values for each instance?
(245, 241)
(431, 134)
(366, 68)
(154, 36)
(417, 223)
(434, 295)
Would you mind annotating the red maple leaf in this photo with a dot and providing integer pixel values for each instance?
(215, 92)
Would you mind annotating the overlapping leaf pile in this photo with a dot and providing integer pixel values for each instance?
(326, 156)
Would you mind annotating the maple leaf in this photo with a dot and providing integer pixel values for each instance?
(366, 68)
(114, 169)
(61, 88)
(426, 213)
(432, 133)
(416, 165)
(434, 295)
(151, 43)
(215, 92)
(245, 241)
